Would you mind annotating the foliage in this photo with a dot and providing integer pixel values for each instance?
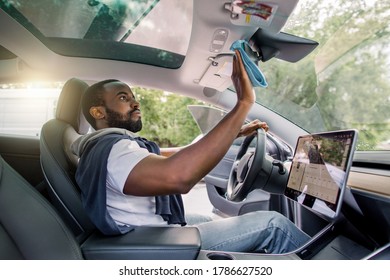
(166, 118)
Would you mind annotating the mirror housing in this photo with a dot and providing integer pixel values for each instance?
(281, 45)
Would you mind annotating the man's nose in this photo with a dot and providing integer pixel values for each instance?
(135, 105)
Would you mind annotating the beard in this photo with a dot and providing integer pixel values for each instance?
(115, 119)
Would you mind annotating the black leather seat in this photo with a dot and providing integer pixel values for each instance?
(30, 228)
(59, 163)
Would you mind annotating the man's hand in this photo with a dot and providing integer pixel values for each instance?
(241, 81)
(250, 128)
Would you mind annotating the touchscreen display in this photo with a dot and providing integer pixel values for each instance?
(319, 170)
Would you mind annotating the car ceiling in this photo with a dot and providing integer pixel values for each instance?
(39, 63)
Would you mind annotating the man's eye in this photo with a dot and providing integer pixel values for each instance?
(123, 98)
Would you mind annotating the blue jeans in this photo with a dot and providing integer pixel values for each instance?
(262, 231)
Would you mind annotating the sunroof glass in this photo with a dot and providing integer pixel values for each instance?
(162, 27)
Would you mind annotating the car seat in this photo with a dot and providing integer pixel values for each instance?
(30, 228)
(59, 163)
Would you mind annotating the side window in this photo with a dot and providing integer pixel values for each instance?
(24, 108)
(166, 118)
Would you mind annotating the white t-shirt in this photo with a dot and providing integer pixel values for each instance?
(128, 209)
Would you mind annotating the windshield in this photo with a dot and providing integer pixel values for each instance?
(345, 82)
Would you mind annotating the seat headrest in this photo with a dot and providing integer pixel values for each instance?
(69, 105)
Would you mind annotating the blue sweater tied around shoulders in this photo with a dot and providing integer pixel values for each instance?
(91, 176)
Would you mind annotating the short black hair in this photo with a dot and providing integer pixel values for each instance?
(93, 97)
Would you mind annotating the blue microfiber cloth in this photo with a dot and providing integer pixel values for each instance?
(255, 75)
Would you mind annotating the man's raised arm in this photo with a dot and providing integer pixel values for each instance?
(158, 175)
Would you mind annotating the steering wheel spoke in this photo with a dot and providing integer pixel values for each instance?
(246, 167)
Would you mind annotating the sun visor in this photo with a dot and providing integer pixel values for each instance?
(218, 74)
(269, 15)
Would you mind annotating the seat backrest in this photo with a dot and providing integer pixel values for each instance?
(30, 228)
(59, 163)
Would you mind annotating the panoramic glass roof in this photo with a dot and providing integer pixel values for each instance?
(138, 31)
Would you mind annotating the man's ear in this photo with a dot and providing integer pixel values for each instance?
(96, 113)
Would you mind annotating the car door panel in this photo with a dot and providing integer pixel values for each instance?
(219, 176)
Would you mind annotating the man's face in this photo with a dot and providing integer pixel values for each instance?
(121, 108)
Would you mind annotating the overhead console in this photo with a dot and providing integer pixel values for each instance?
(266, 43)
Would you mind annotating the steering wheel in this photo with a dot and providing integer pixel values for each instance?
(246, 167)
